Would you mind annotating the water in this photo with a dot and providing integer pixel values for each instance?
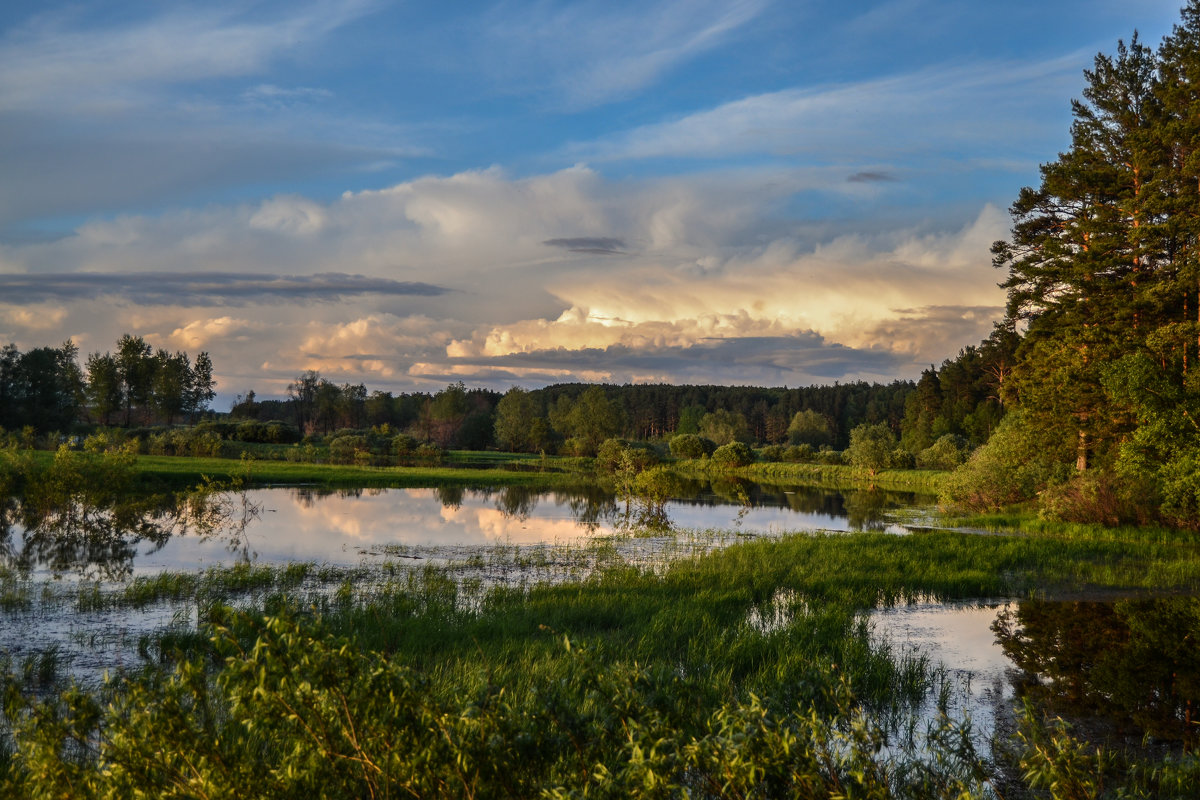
(285, 525)
(989, 651)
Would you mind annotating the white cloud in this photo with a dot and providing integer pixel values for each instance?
(64, 60)
(880, 118)
(593, 53)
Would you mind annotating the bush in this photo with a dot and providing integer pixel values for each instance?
(772, 453)
(902, 459)
(1092, 497)
(608, 457)
(1013, 466)
(798, 453)
(828, 456)
(429, 455)
(734, 454)
(948, 452)
(689, 445)
(346, 448)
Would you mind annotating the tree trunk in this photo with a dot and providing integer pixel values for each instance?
(1081, 459)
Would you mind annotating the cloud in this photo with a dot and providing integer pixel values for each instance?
(871, 176)
(211, 288)
(925, 111)
(596, 245)
(496, 280)
(598, 53)
(794, 359)
(63, 60)
(267, 94)
(102, 113)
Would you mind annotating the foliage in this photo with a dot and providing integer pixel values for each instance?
(733, 454)
(690, 445)
(948, 452)
(520, 425)
(1013, 466)
(811, 428)
(871, 448)
(723, 426)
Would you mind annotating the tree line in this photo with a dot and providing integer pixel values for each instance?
(46, 389)
(576, 418)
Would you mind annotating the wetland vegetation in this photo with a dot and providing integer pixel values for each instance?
(631, 662)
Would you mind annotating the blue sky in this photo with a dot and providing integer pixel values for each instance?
(406, 194)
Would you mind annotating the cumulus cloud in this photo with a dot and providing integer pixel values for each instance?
(497, 280)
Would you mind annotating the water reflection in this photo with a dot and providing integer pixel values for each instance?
(101, 540)
(1133, 664)
(340, 526)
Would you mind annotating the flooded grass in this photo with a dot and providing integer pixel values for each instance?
(692, 661)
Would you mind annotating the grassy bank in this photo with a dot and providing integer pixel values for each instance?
(831, 476)
(186, 471)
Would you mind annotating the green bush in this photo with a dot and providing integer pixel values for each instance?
(690, 445)
(733, 454)
(871, 447)
(799, 453)
(829, 456)
(948, 452)
(772, 453)
(345, 449)
(1011, 467)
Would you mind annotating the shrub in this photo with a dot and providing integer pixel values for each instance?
(734, 454)
(828, 456)
(772, 452)
(345, 449)
(429, 455)
(902, 459)
(689, 445)
(799, 452)
(1091, 497)
(608, 457)
(948, 452)
(1012, 466)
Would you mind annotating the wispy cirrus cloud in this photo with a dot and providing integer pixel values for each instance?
(895, 116)
(69, 60)
(595, 53)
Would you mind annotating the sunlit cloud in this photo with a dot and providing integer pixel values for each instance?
(497, 280)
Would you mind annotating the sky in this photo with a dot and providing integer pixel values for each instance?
(410, 194)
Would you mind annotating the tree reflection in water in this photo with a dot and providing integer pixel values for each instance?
(83, 514)
(1133, 663)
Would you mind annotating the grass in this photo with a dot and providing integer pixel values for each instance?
(671, 649)
(833, 476)
(557, 669)
(184, 471)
